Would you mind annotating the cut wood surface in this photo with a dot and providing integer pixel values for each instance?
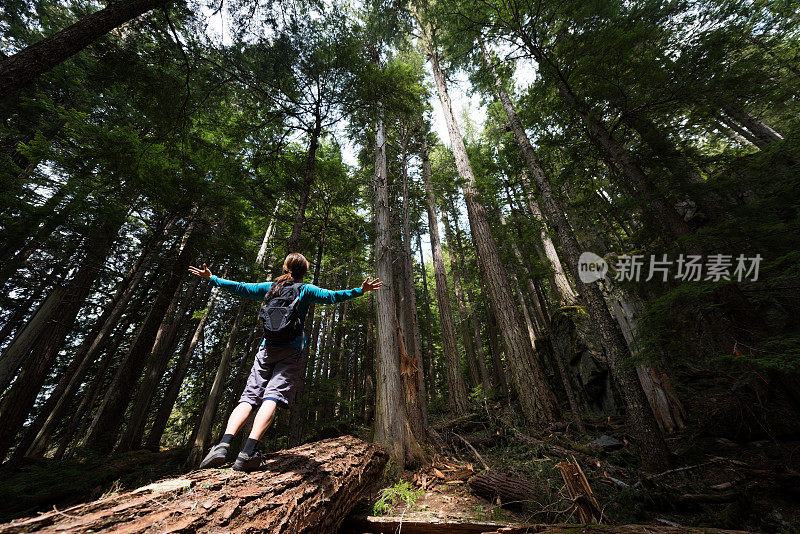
(510, 490)
(392, 525)
(310, 488)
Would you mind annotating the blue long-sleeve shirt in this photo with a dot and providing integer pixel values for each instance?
(309, 293)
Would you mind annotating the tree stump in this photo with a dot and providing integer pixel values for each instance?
(510, 490)
(310, 488)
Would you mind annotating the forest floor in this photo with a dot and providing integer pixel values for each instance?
(743, 480)
(716, 482)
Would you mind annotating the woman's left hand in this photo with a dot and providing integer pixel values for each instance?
(371, 284)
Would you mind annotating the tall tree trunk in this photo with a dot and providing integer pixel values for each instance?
(77, 423)
(536, 398)
(762, 134)
(392, 429)
(472, 307)
(497, 363)
(648, 435)
(369, 366)
(308, 180)
(427, 351)
(35, 444)
(214, 397)
(109, 417)
(415, 400)
(26, 339)
(95, 342)
(22, 68)
(163, 348)
(463, 314)
(176, 380)
(559, 279)
(19, 400)
(457, 398)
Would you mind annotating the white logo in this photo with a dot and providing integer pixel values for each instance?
(591, 267)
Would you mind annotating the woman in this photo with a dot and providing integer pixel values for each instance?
(276, 370)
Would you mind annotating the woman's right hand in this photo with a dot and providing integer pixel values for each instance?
(202, 273)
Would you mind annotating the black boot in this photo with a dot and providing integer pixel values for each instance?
(215, 457)
(247, 462)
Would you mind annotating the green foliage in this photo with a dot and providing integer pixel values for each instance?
(402, 492)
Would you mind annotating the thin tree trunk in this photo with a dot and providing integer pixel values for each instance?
(559, 280)
(109, 417)
(472, 306)
(392, 429)
(649, 198)
(19, 400)
(203, 436)
(95, 342)
(308, 180)
(536, 398)
(22, 68)
(427, 351)
(163, 348)
(417, 410)
(78, 422)
(463, 314)
(176, 380)
(457, 397)
(763, 135)
(497, 364)
(648, 435)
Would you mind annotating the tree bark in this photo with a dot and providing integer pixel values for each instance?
(648, 435)
(308, 489)
(511, 491)
(536, 398)
(392, 429)
(22, 68)
(457, 397)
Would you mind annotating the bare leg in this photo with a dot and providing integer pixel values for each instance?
(238, 417)
(264, 417)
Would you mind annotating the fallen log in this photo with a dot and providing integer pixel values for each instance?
(492, 485)
(392, 525)
(310, 488)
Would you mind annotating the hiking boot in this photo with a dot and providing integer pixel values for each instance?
(215, 457)
(247, 462)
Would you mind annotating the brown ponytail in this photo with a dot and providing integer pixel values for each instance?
(295, 267)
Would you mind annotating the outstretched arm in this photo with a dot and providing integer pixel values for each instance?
(326, 296)
(255, 291)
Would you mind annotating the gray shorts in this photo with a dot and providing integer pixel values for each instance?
(274, 376)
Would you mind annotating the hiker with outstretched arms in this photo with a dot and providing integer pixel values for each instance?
(276, 370)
